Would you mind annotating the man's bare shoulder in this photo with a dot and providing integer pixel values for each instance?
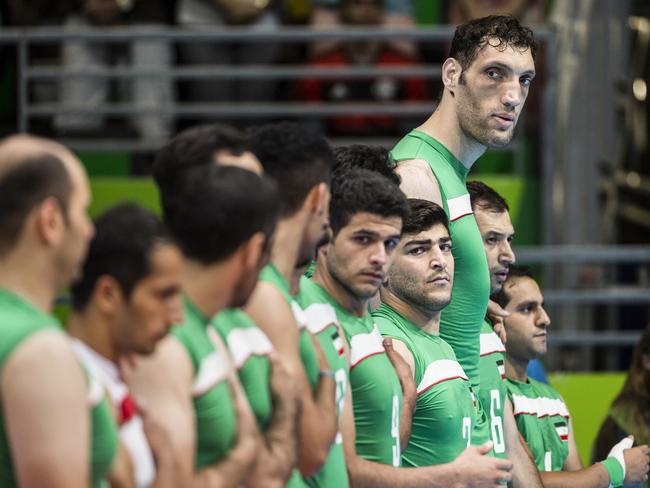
(418, 181)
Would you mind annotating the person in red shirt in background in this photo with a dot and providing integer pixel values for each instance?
(382, 89)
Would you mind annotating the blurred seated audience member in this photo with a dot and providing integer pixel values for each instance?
(629, 413)
(151, 55)
(210, 15)
(526, 11)
(400, 14)
(383, 89)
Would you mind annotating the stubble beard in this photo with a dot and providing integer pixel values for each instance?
(475, 126)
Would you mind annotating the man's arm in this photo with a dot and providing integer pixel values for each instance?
(277, 456)
(404, 365)
(47, 418)
(418, 181)
(472, 469)
(163, 382)
(317, 424)
(524, 471)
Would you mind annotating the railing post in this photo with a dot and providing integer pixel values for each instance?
(23, 95)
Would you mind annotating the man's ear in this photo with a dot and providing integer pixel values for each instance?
(107, 295)
(50, 222)
(316, 198)
(250, 252)
(451, 70)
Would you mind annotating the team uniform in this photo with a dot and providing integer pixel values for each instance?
(131, 429)
(214, 408)
(270, 274)
(461, 320)
(445, 412)
(493, 392)
(320, 318)
(250, 348)
(376, 390)
(20, 320)
(543, 421)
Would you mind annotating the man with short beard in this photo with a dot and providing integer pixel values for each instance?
(486, 81)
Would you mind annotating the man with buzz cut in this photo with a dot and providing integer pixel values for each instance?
(417, 288)
(542, 416)
(366, 214)
(299, 160)
(189, 383)
(56, 426)
(486, 80)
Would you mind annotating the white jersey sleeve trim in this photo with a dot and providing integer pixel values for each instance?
(319, 316)
(439, 371)
(212, 370)
(298, 315)
(362, 346)
(244, 343)
(490, 343)
(540, 406)
(459, 207)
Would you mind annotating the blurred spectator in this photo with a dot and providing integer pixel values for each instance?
(257, 15)
(630, 410)
(148, 55)
(383, 89)
(529, 12)
(399, 14)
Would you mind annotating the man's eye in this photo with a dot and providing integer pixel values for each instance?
(492, 73)
(416, 251)
(490, 240)
(525, 82)
(362, 239)
(445, 247)
(391, 244)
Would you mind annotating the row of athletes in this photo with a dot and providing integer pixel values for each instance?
(271, 378)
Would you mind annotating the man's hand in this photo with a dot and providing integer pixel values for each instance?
(496, 314)
(168, 465)
(248, 436)
(404, 373)
(323, 364)
(636, 464)
(281, 382)
(476, 470)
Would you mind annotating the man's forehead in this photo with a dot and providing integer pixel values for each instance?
(523, 289)
(376, 223)
(435, 233)
(517, 58)
(489, 221)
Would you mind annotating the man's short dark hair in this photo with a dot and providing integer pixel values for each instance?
(218, 208)
(362, 190)
(24, 186)
(193, 147)
(360, 156)
(296, 157)
(125, 237)
(422, 216)
(514, 272)
(500, 31)
(485, 198)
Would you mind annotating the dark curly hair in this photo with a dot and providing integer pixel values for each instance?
(472, 36)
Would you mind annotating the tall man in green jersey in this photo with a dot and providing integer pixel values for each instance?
(189, 383)
(417, 288)
(485, 79)
(55, 424)
(261, 372)
(300, 161)
(366, 211)
(542, 416)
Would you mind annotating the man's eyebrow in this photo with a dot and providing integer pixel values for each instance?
(528, 303)
(506, 67)
(444, 240)
(418, 242)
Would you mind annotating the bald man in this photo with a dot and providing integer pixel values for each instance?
(52, 415)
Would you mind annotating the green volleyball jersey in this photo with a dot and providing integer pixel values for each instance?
(320, 318)
(214, 408)
(376, 390)
(445, 411)
(543, 421)
(461, 320)
(19, 320)
(270, 274)
(493, 390)
(250, 348)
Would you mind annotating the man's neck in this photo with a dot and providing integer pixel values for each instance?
(29, 281)
(287, 241)
(517, 369)
(92, 328)
(444, 126)
(353, 304)
(427, 321)
(209, 288)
